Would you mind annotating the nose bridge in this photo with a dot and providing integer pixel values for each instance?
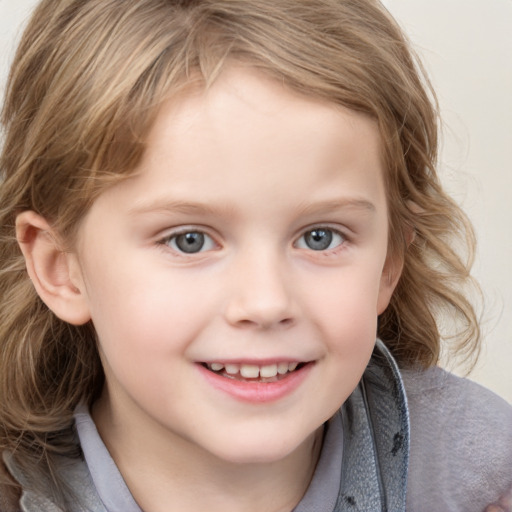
(261, 293)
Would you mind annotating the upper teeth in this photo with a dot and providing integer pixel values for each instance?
(252, 371)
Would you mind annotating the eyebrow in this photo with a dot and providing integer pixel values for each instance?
(164, 206)
(339, 204)
(184, 207)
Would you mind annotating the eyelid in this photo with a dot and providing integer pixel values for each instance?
(164, 241)
(341, 233)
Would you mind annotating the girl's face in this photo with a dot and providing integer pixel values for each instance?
(235, 280)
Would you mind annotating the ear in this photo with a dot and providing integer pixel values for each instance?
(55, 273)
(393, 270)
(389, 279)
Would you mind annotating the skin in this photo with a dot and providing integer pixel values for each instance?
(504, 504)
(256, 168)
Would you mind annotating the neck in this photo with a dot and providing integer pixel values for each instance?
(160, 470)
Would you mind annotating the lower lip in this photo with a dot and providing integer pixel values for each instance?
(257, 392)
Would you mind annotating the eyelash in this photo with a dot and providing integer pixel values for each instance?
(171, 241)
(334, 235)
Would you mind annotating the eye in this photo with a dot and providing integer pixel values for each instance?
(190, 242)
(320, 239)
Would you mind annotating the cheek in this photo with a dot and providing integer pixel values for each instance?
(147, 311)
(347, 302)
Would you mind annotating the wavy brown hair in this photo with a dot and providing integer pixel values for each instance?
(86, 84)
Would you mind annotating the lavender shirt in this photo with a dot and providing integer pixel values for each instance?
(320, 496)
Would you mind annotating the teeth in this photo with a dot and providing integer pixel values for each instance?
(268, 371)
(232, 369)
(251, 371)
(282, 368)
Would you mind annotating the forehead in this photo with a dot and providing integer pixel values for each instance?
(249, 138)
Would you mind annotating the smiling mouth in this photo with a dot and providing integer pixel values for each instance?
(255, 373)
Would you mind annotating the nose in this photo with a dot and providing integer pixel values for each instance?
(260, 293)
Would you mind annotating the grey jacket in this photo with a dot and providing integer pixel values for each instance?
(445, 447)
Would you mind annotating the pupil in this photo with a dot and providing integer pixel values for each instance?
(190, 242)
(318, 239)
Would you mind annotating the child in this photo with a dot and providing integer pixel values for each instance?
(209, 208)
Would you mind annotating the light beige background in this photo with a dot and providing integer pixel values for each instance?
(467, 48)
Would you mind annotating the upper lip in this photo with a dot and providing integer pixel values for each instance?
(255, 362)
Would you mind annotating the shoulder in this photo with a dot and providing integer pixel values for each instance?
(461, 443)
(76, 483)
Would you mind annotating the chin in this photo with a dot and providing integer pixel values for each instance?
(263, 451)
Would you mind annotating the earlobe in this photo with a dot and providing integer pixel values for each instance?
(53, 271)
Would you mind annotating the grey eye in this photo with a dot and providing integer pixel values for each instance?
(320, 239)
(191, 242)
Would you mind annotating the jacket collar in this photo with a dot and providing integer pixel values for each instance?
(376, 440)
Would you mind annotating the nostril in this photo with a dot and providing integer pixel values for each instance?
(246, 323)
(259, 314)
